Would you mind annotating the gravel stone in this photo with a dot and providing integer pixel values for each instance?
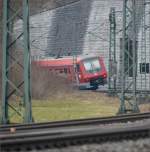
(140, 145)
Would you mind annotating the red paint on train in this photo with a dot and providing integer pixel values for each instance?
(89, 71)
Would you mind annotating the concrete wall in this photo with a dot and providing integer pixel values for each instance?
(79, 28)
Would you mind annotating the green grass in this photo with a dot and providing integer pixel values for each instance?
(72, 107)
(75, 106)
(64, 110)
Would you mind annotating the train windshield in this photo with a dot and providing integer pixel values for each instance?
(92, 65)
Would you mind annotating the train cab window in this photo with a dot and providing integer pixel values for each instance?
(92, 65)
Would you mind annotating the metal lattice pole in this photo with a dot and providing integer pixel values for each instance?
(134, 107)
(129, 59)
(16, 98)
(112, 52)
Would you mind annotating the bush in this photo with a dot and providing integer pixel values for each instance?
(46, 84)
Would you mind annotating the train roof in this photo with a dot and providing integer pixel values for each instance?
(62, 61)
(79, 57)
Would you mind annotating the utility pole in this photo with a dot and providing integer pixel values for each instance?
(112, 52)
(129, 59)
(16, 96)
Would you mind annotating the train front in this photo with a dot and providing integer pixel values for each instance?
(92, 73)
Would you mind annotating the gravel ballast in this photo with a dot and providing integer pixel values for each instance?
(140, 145)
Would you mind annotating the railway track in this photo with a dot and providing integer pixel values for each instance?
(49, 139)
(60, 134)
(78, 122)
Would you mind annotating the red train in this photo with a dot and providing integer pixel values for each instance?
(88, 71)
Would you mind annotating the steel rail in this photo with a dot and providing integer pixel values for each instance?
(57, 138)
(78, 122)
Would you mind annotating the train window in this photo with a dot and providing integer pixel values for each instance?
(144, 68)
(92, 65)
